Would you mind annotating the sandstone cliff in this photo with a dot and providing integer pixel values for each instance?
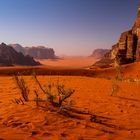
(39, 52)
(127, 49)
(9, 57)
(99, 53)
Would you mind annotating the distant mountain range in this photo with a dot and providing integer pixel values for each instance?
(99, 53)
(10, 57)
(39, 52)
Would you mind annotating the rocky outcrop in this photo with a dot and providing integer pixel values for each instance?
(105, 61)
(18, 48)
(9, 57)
(99, 53)
(127, 49)
(39, 52)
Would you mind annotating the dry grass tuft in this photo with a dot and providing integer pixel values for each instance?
(118, 77)
(23, 87)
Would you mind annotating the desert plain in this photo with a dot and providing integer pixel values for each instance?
(106, 108)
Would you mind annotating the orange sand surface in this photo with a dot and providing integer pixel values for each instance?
(102, 117)
(109, 117)
(69, 62)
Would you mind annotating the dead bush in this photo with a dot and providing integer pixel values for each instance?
(21, 84)
(56, 94)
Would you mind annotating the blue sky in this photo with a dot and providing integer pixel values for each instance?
(71, 27)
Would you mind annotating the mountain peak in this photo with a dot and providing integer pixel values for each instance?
(3, 44)
(136, 26)
(8, 57)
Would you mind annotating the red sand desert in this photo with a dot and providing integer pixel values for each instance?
(101, 117)
(69, 62)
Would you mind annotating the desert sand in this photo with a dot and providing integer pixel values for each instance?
(68, 62)
(102, 117)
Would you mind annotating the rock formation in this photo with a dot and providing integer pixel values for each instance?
(18, 48)
(39, 52)
(9, 57)
(127, 49)
(99, 53)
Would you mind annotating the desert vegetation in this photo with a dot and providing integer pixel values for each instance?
(119, 77)
(56, 99)
(73, 105)
(68, 107)
(55, 93)
(70, 95)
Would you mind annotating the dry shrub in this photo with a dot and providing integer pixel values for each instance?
(57, 98)
(117, 67)
(23, 87)
(115, 87)
(118, 77)
(56, 95)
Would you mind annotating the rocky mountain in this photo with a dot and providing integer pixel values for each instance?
(99, 53)
(127, 49)
(39, 52)
(18, 48)
(9, 57)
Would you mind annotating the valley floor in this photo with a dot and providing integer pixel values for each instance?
(68, 62)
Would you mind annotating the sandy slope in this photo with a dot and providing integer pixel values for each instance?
(128, 71)
(113, 117)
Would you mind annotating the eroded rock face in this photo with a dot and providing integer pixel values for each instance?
(128, 47)
(138, 48)
(9, 57)
(18, 48)
(105, 60)
(39, 52)
(129, 43)
(99, 53)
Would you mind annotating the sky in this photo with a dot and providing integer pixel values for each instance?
(70, 27)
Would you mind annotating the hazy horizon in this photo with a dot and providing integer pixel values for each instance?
(70, 27)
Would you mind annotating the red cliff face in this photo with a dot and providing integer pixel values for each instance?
(128, 47)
